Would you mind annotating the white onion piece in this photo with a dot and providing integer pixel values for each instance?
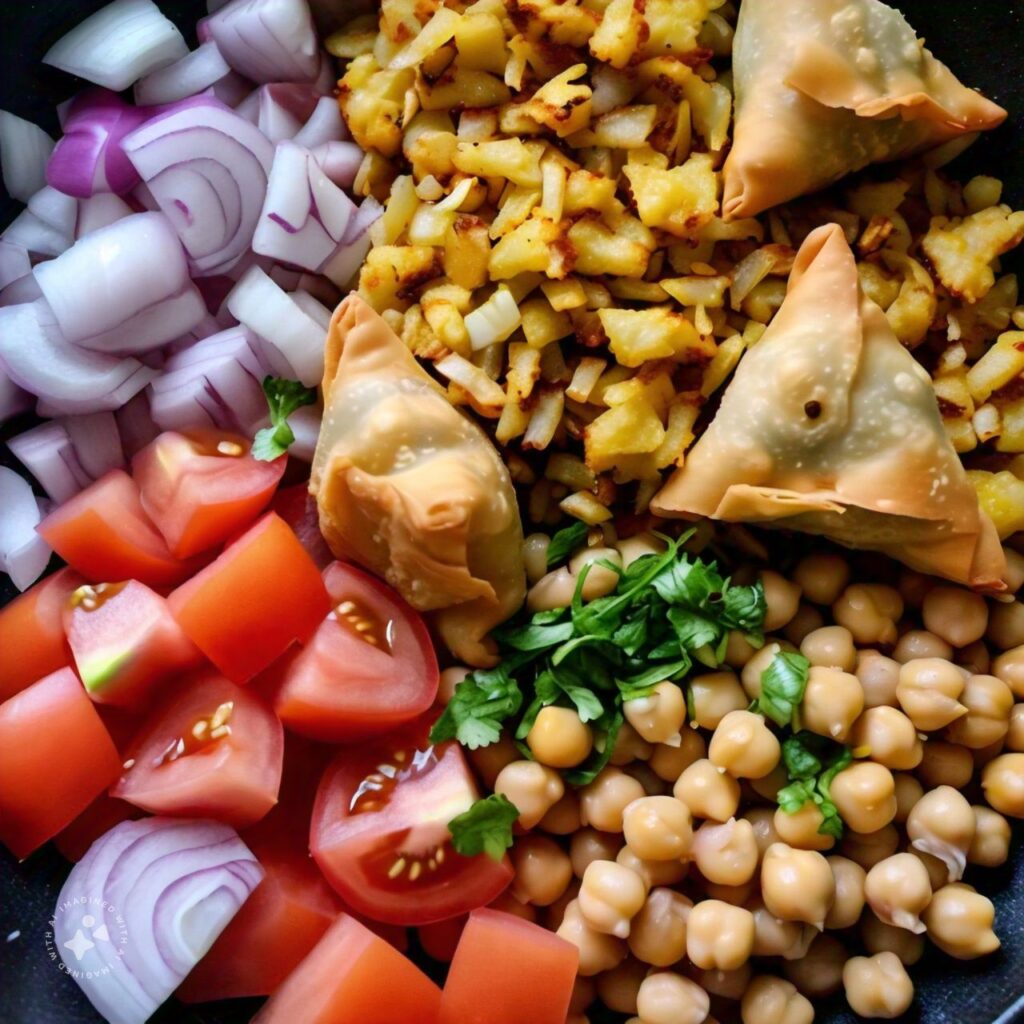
(284, 107)
(313, 308)
(267, 40)
(13, 400)
(47, 453)
(355, 245)
(258, 303)
(23, 553)
(118, 44)
(196, 71)
(305, 424)
(97, 442)
(207, 168)
(25, 289)
(340, 161)
(55, 209)
(14, 263)
(39, 359)
(24, 150)
(135, 424)
(170, 886)
(99, 211)
(28, 231)
(324, 124)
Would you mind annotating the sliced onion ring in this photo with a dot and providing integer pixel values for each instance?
(196, 71)
(267, 40)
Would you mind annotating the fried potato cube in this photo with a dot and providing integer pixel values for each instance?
(632, 428)
(1012, 437)
(566, 294)
(542, 324)
(674, 25)
(681, 200)
(1001, 495)
(443, 308)
(466, 252)
(436, 33)
(586, 507)
(373, 101)
(429, 144)
(501, 158)
(725, 360)
(480, 40)
(911, 313)
(625, 128)
(695, 290)
(398, 213)
(620, 35)
(997, 367)
(562, 105)
(353, 39)
(528, 247)
(516, 206)
(587, 192)
(638, 335)
(462, 88)
(392, 273)
(599, 250)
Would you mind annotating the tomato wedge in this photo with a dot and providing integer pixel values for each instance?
(56, 757)
(213, 750)
(353, 977)
(380, 831)
(297, 507)
(125, 642)
(259, 596)
(508, 971)
(32, 633)
(202, 487)
(104, 533)
(369, 668)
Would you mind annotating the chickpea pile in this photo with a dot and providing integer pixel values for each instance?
(693, 897)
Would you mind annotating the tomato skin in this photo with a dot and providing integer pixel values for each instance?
(234, 778)
(340, 687)
(260, 595)
(56, 757)
(32, 632)
(356, 850)
(297, 507)
(508, 971)
(198, 496)
(97, 819)
(104, 533)
(353, 977)
(440, 939)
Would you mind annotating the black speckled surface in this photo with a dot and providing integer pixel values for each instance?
(982, 41)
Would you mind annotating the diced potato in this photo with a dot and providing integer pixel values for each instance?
(513, 422)
(429, 225)
(401, 205)
(443, 307)
(620, 35)
(765, 299)
(982, 192)
(461, 87)
(400, 20)
(429, 144)
(372, 101)
(570, 470)
(485, 395)
(355, 39)
(657, 391)
(681, 200)
(911, 313)
(437, 32)
(878, 286)
(710, 110)
(961, 435)
(467, 250)
(374, 177)
(628, 127)
(517, 205)
(585, 378)
(630, 289)
(1011, 437)
(522, 284)
(674, 25)
(547, 415)
(480, 40)
(600, 251)
(695, 290)
(416, 334)
(392, 273)
(987, 422)
(528, 247)
(562, 104)
(542, 324)
(724, 362)
(638, 335)
(954, 395)
(997, 367)
(502, 158)
(883, 198)
(1001, 496)
(523, 370)
(586, 507)
(632, 428)
(586, 192)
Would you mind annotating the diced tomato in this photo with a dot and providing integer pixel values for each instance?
(440, 939)
(353, 977)
(104, 534)
(202, 487)
(259, 596)
(32, 633)
(380, 831)
(369, 668)
(96, 820)
(125, 642)
(508, 971)
(212, 750)
(55, 759)
(297, 507)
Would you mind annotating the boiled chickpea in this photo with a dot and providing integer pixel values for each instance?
(797, 885)
(535, 556)
(870, 612)
(738, 650)
(776, 937)
(879, 677)
(868, 848)
(958, 616)
(768, 786)
(919, 643)
(563, 819)
(450, 678)
(802, 829)
(942, 824)
(724, 984)
(819, 973)
(744, 745)
(762, 821)
(719, 936)
(975, 658)
(908, 792)
(879, 937)
(532, 787)
(734, 895)
(653, 785)
(806, 621)
(991, 844)
(945, 764)
(554, 915)
(589, 845)
(629, 746)
(830, 647)
(556, 588)
(603, 801)
(928, 692)
(1003, 782)
(1014, 575)
(668, 998)
(770, 1000)
(865, 795)
(653, 872)
(542, 870)
(877, 986)
(897, 890)
(726, 854)
(584, 992)
(822, 576)
(1009, 667)
(713, 696)
(989, 702)
(750, 676)
(489, 761)
(849, 900)
(598, 951)
(782, 599)
(559, 739)
(1015, 731)
(1006, 624)
(508, 904)
(610, 897)
(659, 716)
(888, 737)
(832, 702)
(618, 988)
(669, 763)
(959, 922)
(708, 792)
(657, 935)
(913, 586)
(658, 828)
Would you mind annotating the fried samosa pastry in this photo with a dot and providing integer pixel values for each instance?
(826, 87)
(410, 488)
(830, 426)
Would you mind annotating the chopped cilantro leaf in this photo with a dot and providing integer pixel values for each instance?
(783, 684)
(812, 762)
(485, 828)
(283, 398)
(565, 542)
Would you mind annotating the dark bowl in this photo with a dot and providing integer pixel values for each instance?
(981, 41)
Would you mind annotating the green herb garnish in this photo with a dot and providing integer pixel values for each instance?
(783, 684)
(565, 542)
(812, 762)
(485, 828)
(283, 398)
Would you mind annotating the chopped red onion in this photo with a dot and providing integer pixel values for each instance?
(249, 107)
(267, 40)
(96, 441)
(313, 308)
(196, 71)
(32, 234)
(170, 886)
(47, 453)
(25, 289)
(135, 424)
(324, 125)
(23, 553)
(284, 107)
(12, 399)
(14, 263)
(55, 209)
(305, 424)
(207, 167)
(340, 161)
(355, 245)
(118, 44)
(231, 89)
(24, 150)
(99, 211)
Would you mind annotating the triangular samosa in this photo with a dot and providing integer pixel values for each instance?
(413, 490)
(826, 87)
(830, 426)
